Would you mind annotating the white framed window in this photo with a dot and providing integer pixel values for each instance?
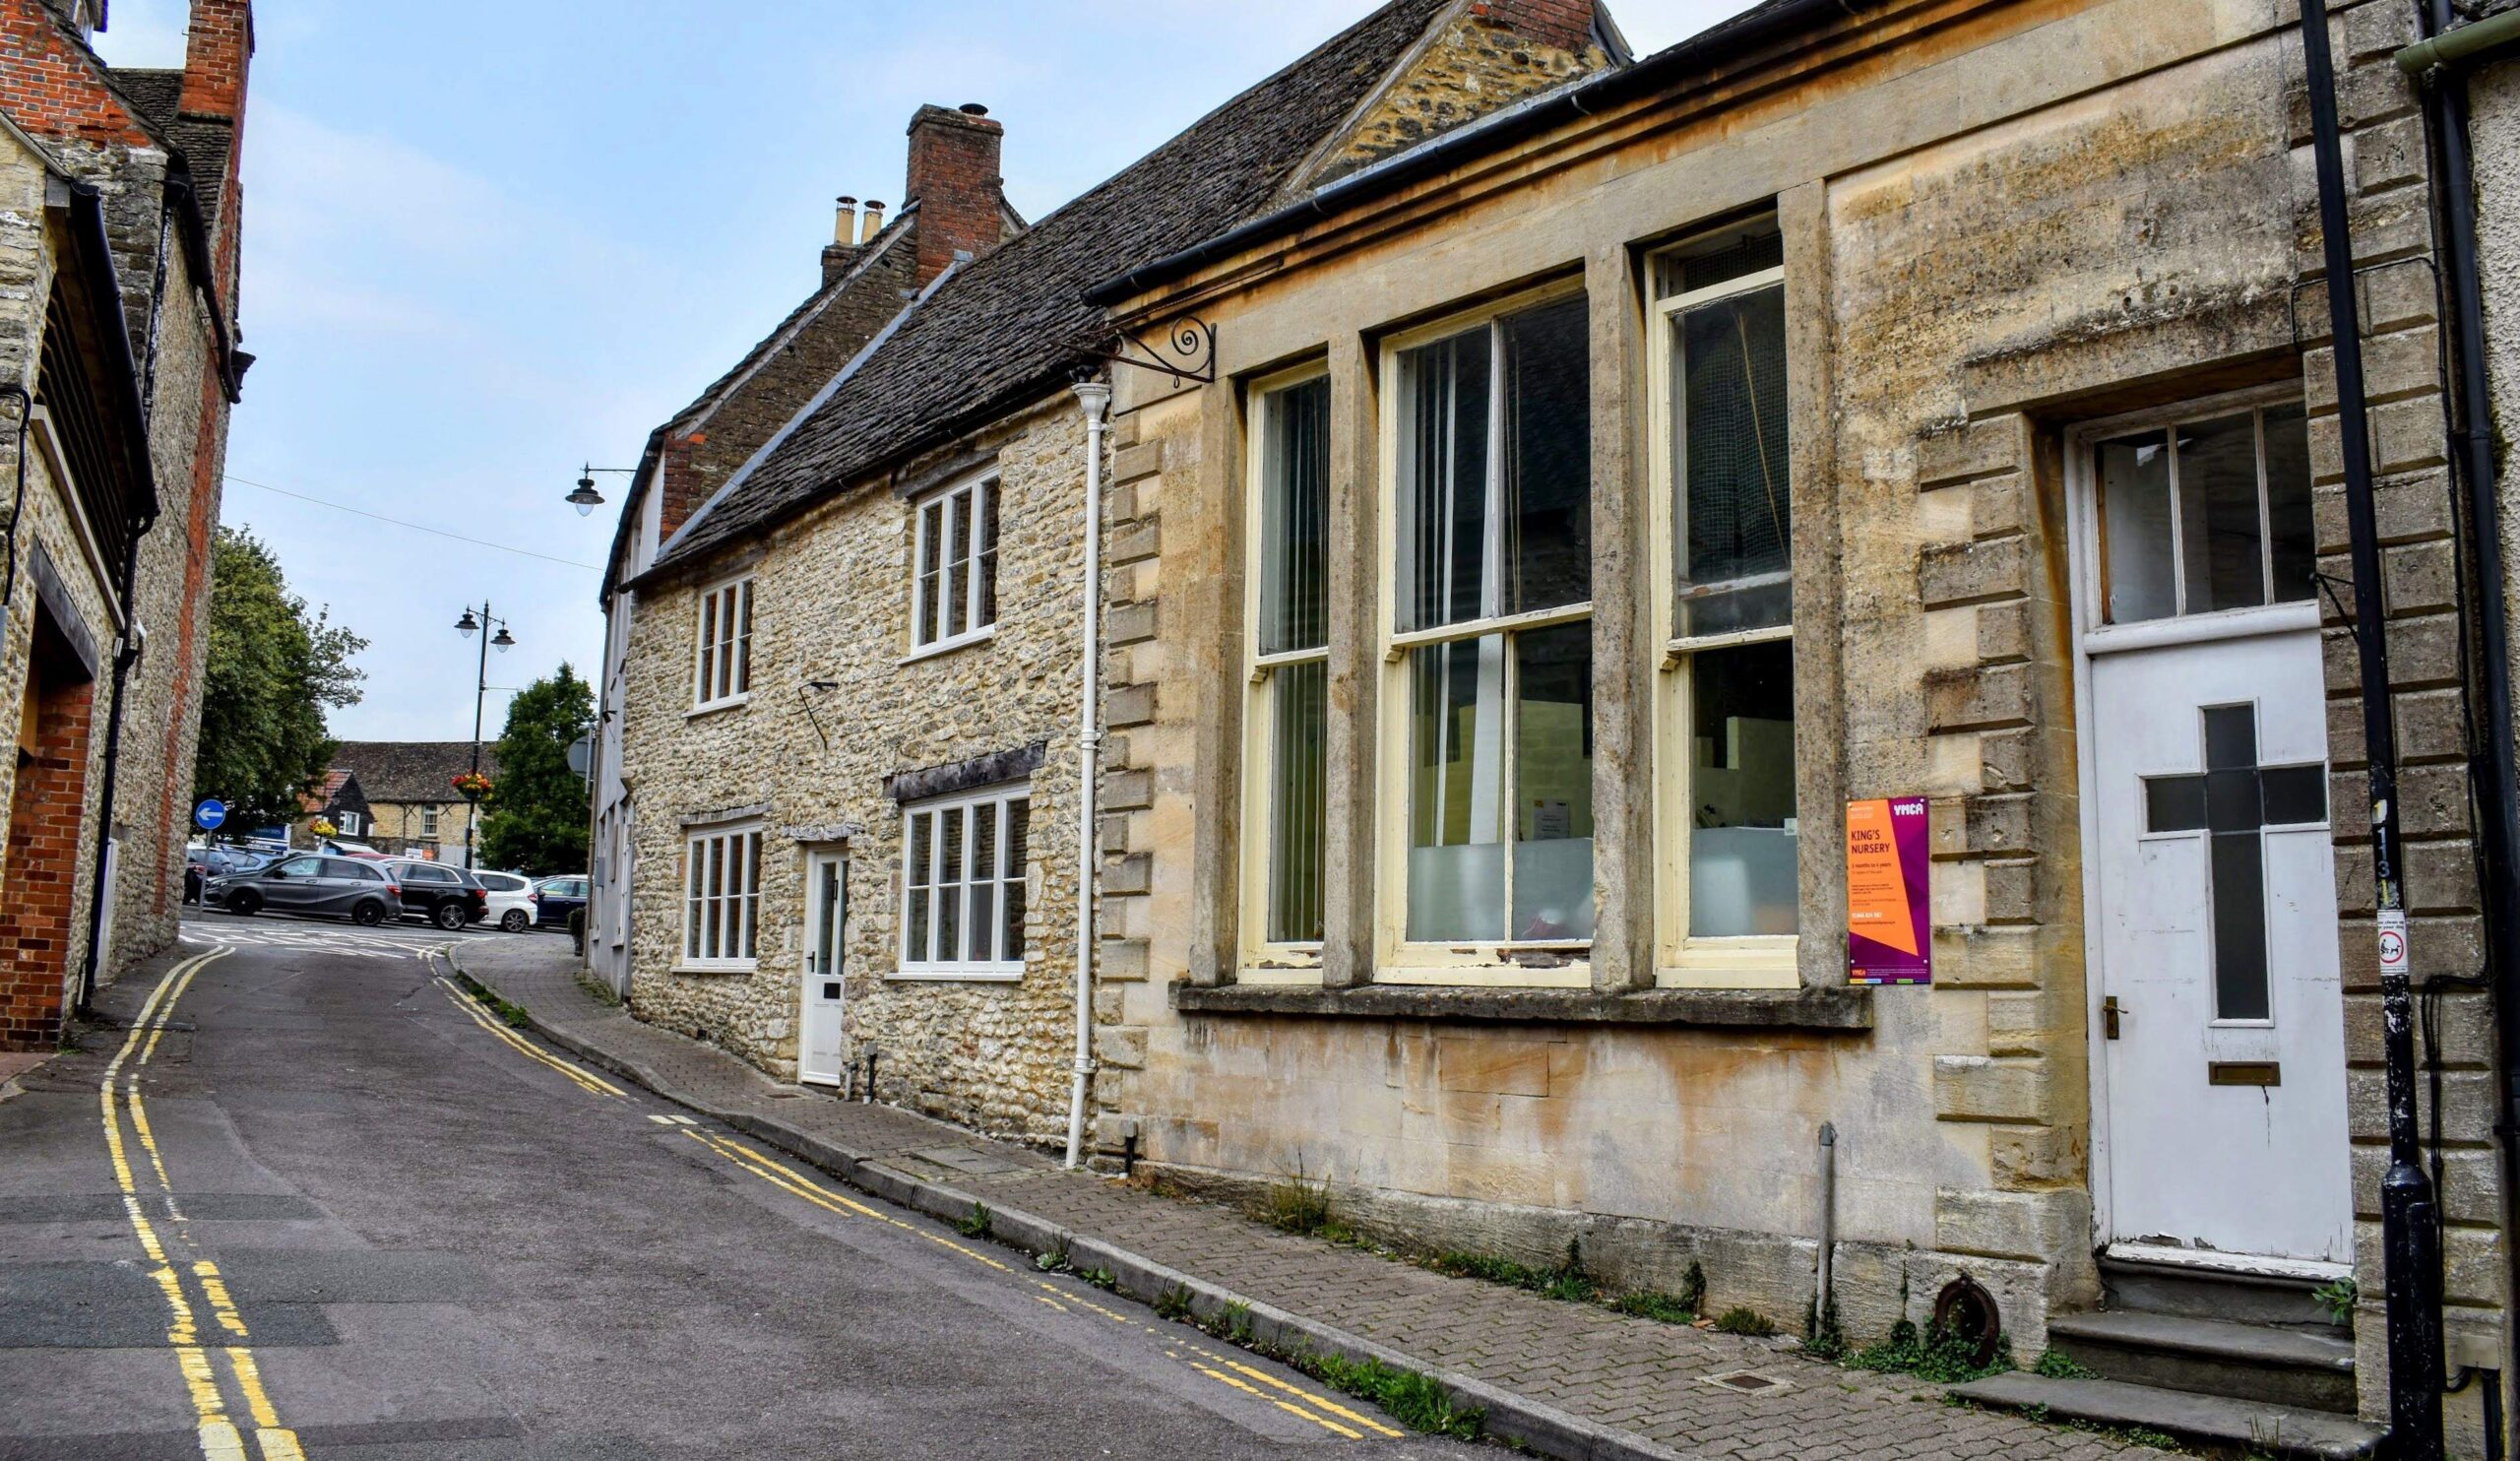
(1728, 829)
(954, 559)
(1287, 664)
(428, 821)
(349, 824)
(721, 668)
(2203, 509)
(722, 898)
(963, 859)
(1487, 636)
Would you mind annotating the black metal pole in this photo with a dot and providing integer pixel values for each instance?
(481, 691)
(2408, 1236)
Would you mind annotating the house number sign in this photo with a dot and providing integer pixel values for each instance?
(1889, 914)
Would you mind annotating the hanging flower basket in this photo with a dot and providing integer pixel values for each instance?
(321, 827)
(472, 784)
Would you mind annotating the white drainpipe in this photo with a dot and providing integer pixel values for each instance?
(1094, 396)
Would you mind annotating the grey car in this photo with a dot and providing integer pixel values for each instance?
(311, 883)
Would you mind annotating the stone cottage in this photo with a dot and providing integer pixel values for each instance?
(410, 803)
(847, 684)
(119, 247)
(1608, 523)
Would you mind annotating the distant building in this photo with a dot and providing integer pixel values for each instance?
(405, 794)
(119, 219)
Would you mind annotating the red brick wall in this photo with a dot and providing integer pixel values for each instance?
(217, 53)
(680, 485)
(954, 179)
(48, 87)
(1564, 23)
(44, 823)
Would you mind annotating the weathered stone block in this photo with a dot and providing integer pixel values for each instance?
(1129, 624)
(1122, 1045)
(2030, 1158)
(1131, 462)
(2000, 506)
(1121, 959)
(2421, 577)
(1126, 875)
(2007, 758)
(1128, 791)
(2012, 891)
(1978, 449)
(1990, 1088)
(1973, 572)
(1986, 697)
(1130, 705)
(2004, 632)
(1974, 957)
(2010, 1225)
(1130, 544)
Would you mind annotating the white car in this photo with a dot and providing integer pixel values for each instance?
(511, 900)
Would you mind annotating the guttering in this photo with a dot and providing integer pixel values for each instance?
(2450, 46)
(1095, 397)
(1782, 21)
(2439, 63)
(2410, 1235)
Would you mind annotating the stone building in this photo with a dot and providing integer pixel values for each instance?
(1606, 517)
(125, 206)
(846, 689)
(408, 788)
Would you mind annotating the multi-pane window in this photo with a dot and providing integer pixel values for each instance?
(1492, 620)
(955, 548)
(1729, 824)
(723, 670)
(722, 897)
(428, 821)
(963, 867)
(1289, 659)
(2207, 513)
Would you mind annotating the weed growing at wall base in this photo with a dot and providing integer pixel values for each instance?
(1412, 1399)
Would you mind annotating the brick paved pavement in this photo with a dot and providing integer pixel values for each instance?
(1639, 1376)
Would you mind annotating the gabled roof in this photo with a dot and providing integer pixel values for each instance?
(1016, 322)
(404, 771)
(205, 141)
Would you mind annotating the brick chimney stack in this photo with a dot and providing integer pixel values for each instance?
(217, 51)
(954, 179)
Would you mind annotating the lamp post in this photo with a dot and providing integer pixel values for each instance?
(502, 642)
(586, 498)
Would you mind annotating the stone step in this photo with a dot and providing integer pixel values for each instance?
(2313, 1370)
(2209, 1293)
(2205, 1419)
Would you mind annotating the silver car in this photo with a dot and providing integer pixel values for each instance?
(361, 891)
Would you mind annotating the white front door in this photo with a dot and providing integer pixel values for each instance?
(819, 1056)
(2219, 1017)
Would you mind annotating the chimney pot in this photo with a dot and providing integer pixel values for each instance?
(844, 223)
(972, 110)
(873, 220)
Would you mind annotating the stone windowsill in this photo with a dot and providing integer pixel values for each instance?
(1838, 1008)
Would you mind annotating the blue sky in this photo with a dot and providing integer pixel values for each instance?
(486, 242)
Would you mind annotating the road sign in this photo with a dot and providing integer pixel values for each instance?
(210, 813)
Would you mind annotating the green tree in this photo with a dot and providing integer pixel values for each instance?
(536, 810)
(271, 670)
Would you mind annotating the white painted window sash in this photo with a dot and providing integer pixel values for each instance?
(979, 952)
(950, 569)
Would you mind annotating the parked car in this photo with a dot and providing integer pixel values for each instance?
(511, 899)
(363, 892)
(448, 897)
(555, 898)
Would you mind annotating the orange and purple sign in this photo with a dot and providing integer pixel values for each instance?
(1889, 919)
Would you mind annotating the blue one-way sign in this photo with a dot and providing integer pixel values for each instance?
(210, 813)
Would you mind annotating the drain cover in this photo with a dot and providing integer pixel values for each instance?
(1746, 1383)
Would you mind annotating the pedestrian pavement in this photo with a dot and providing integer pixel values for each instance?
(1565, 1379)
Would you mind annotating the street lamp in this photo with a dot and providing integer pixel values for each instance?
(586, 498)
(502, 642)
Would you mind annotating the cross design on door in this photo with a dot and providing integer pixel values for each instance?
(2234, 800)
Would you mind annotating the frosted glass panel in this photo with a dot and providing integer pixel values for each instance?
(1457, 789)
(1741, 881)
(1457, 892)
(1553, 889)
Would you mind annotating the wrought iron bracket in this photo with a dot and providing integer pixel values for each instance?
(1186, 349)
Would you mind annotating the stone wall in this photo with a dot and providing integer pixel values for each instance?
(831, 601)
(1970, 270)
(1485, 56)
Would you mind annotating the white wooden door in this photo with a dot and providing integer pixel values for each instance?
(2217, 933)
(2218, 1017)
(819, 1055)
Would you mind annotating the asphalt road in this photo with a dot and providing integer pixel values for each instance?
(337, 1214)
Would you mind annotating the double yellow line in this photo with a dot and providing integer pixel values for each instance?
(587, 1081)
(220, 1439)
(1317, 1409)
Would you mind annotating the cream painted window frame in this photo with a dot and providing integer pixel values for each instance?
(428, 821)
(1754, 962)
(721, 659)
(1262, 960)
(1396, 960)
(955, 576)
